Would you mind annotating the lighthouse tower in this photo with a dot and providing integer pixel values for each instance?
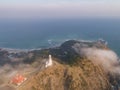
(49, 62)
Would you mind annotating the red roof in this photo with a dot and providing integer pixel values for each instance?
(18, 79)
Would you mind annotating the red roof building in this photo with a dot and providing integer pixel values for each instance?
(18, 79)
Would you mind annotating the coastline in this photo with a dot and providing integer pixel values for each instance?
(17, 50)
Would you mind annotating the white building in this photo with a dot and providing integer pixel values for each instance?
(49, 62)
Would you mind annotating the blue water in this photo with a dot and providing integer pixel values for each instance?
(27, 34)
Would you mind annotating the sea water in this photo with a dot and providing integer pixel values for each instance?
(40, 33)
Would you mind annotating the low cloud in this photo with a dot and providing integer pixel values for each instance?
(106, 58)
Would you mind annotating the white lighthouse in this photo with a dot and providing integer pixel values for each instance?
(49, 62)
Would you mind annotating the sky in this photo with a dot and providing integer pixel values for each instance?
(59, 8)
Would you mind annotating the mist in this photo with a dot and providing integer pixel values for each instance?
(60, 10)
(108, 59)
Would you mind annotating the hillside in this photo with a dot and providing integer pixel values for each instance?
(85, 76)
(71, 70)
(77, 65)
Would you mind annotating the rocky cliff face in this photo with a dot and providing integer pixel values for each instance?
(72, 69)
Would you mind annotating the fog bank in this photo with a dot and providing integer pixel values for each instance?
(108, 59)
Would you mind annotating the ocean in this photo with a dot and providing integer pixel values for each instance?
(40, 33)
